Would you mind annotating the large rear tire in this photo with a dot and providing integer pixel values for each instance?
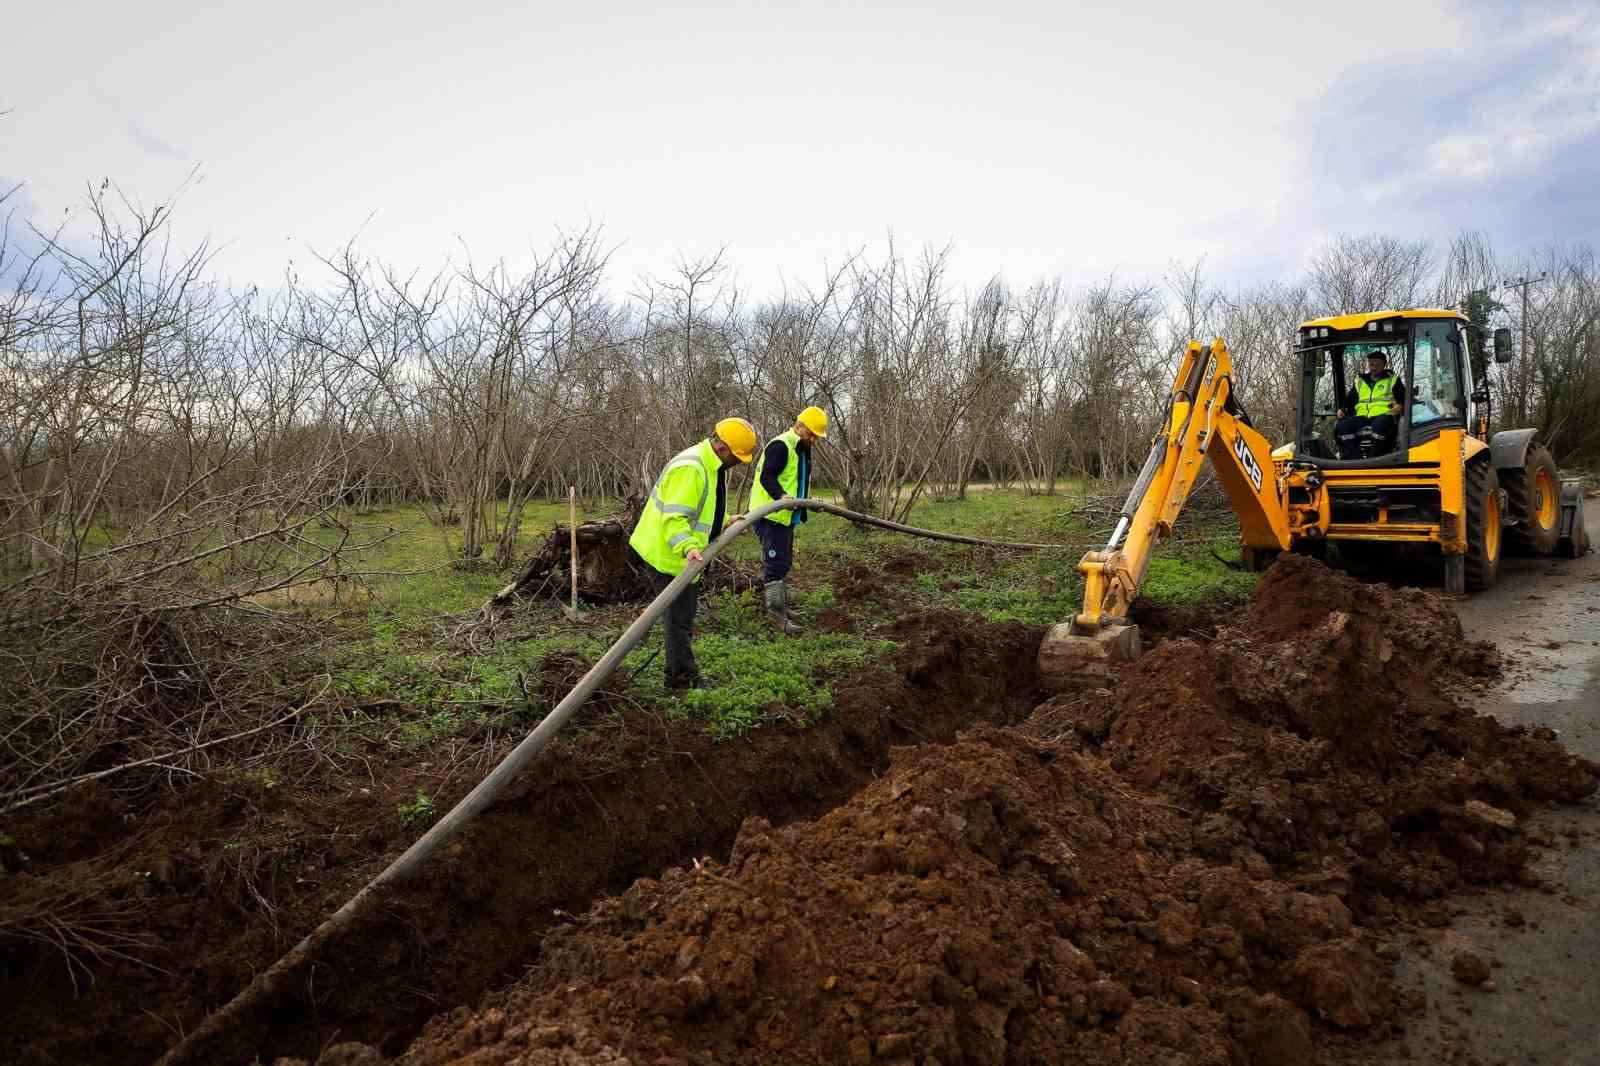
(1482, 561)
(1533, 504)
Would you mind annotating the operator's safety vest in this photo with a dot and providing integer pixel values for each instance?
(788, 481)
(1373, 399)
(679, 512)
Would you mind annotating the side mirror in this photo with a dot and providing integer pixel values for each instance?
(1502, 345)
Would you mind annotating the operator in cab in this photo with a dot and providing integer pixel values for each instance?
(1375, 401)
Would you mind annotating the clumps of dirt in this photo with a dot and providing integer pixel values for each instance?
(948, 668)
(1201, 865)
(833, 620)
(908, 563)
(239, 872)
(951, 653)
(1001, 900)
(609, 571)
(558, 673)
(1319, 730)
(1160, 622)
(858, 582)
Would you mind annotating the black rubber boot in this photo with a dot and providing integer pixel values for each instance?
(778, 608)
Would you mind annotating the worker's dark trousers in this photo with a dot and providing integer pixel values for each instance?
(680, 632)
(1347, 431)
(777, 549)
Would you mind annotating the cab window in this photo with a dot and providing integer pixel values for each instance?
(1436, 392)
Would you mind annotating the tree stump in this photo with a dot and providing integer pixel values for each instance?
(608, 569)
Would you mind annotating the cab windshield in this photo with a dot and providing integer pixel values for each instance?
(1425, 355)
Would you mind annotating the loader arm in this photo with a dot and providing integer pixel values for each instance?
(1201, 421)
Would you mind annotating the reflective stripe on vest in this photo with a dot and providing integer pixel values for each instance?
(693, 511)
(650, 538)
(788, 479)
(1373, 399)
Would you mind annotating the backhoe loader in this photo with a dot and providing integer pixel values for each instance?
(1441, 485)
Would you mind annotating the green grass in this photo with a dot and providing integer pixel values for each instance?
(1189, 577)
(404, 683)
(757, 676)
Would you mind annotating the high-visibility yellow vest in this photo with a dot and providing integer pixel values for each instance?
(1373, 399)
(680, 510)
(788, 479)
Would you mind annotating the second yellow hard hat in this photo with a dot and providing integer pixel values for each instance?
(816, 420)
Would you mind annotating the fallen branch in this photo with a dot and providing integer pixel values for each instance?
(35, 793)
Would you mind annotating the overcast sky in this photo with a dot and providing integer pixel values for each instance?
(1038, 139)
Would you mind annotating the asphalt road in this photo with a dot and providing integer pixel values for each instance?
(1542, 1003)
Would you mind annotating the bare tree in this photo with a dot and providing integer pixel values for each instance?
(1259, 325)
(1369, 273)
(1042, 342)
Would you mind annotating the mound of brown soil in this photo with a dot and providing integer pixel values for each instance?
(858, 582)
(224, 878)
(1319, 731)
(1201, 871)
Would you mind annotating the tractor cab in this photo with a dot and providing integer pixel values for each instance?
(1349, 417)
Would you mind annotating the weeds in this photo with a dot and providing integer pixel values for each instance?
(757, 679)
(419, 809)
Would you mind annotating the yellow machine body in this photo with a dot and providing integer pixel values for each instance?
(1287, 500)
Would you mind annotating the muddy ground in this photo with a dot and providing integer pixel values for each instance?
(1226, 859)
(1541, 1003)
(1221, 860)
(217, 881)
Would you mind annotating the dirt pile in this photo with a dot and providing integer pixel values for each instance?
(1200, 867)
(1320, 731)
(239, 871)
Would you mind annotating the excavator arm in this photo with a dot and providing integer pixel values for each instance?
(1202, 420)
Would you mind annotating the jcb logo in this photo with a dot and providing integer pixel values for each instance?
(1248, 461)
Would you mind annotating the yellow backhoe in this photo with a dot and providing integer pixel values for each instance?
(1439, 483)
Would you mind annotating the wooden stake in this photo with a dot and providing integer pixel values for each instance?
(572, 523)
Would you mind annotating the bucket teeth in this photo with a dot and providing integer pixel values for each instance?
(1071, 660)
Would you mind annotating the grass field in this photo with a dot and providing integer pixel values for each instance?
(402, 673)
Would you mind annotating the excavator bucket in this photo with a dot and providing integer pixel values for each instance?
(1573, 539)
(1070, 660)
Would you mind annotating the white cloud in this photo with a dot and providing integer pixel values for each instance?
(1048, 139)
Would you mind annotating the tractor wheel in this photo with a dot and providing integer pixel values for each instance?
(1533, 504)
(1482, 561)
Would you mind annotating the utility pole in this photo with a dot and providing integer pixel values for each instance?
(1523, 283)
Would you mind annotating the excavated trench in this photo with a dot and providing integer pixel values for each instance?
(599, 810)
(1211, 863)
(1208, 862)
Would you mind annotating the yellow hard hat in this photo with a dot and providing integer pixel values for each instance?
(816, 420)
(739, 436)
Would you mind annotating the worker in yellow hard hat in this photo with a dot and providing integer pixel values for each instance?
(784, 471)
(684, 514)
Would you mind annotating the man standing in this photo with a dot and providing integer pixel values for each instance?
(684, 514)
(784, 471)
(1376, 400)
